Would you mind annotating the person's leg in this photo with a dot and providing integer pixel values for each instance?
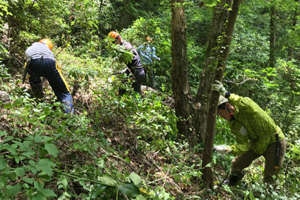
(139, 78)
(269, 155)
(240, 163)
(58, 84)
(151, 81)
(147, 71)
(36, 84)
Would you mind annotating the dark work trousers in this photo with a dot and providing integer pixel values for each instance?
(150, 75)
(49, 69)
(243, 161)
(139, 77)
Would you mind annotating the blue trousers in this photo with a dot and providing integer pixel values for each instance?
(49, 69)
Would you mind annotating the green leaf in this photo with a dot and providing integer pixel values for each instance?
(98, 190)
(15, 190)
(8, 138)
(38, 138)
(20, 172)
(47, 111)
(2, 133)
(140, 197)
(136, 179)
(64, 182)
(6, 106)
(3, 164)
(47, 139)
(3, 180)
(12, 176)
(38, 186)
(28, 180)
(127, 159)
(48, 192)
(28, 154)
(11, 149)
(129, 189)
(39, 196)
(52, 149)
(45, 165)
(108, 181)
(18, 102)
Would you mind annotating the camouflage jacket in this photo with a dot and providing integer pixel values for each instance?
(253, 127)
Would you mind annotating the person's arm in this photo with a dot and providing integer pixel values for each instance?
(153, 55)
(119, 72)
(240, 148)
(242, 102)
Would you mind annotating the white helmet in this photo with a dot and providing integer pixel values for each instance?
(222, 100)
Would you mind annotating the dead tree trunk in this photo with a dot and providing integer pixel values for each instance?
(221, 56)
(179, 73)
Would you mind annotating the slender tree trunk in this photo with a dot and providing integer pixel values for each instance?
(221, 57)
(125, 18)
(179, 73)
(272, 59)
(203, 94)
(291, 49)
(100, 7)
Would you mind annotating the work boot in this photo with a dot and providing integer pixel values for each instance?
(234, 179)
(69, 108)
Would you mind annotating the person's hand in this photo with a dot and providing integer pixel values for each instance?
(111, 79)
(158, 58)
(218, 86)
(223, 149)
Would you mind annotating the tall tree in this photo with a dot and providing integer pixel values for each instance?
(296, 12)
(220, 55)
(179, 72)
(272, 59)
(211, 56)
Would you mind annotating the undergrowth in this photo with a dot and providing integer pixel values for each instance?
(113, 147)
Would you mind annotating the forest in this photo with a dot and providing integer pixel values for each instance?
(160, 143)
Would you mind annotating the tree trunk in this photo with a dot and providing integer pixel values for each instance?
(100, 7)
(179, 73)
(126, 18)
(272, 59)
(203, 94)
(291, 49)
(220, 60)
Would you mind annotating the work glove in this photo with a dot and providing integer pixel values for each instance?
(158, 58)
(223, 149)
(218, 86)
(111, 79)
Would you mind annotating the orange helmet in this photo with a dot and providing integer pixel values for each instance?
(47, 42)
(149, 39)
(113, 34)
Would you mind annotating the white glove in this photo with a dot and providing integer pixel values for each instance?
(222, 149)
(158, 58)
(123, 71)
(218, 86)
(111, 79)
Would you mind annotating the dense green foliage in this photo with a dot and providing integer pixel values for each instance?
(129, 148)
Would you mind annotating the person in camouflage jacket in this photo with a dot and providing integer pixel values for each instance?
(255, 133)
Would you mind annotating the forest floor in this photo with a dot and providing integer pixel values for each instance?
(161, 163)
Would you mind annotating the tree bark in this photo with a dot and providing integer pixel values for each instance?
(291, 49)
(179, 73)
(220, 60)
(272, 59)
(203, 94)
